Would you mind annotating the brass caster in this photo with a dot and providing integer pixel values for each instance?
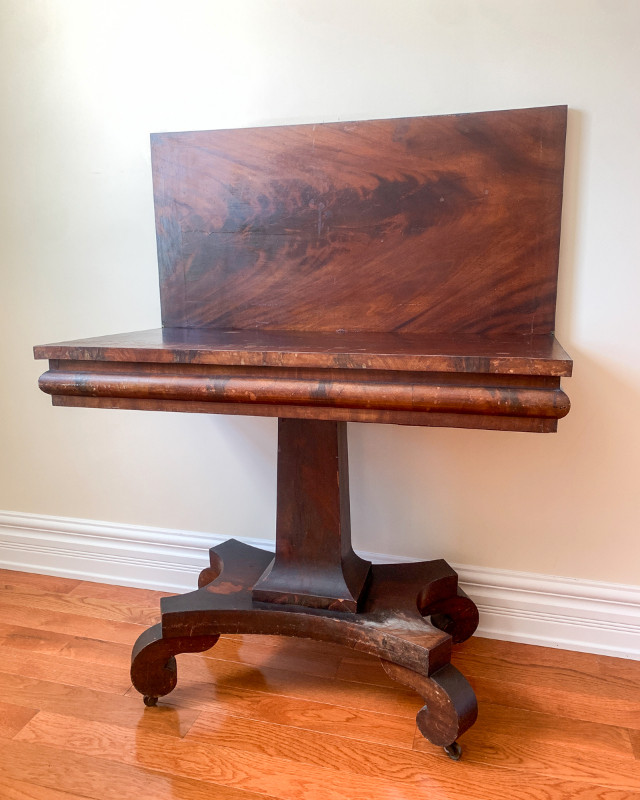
(149, 700)
(454, 751)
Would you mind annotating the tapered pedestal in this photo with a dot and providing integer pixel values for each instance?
(315, 565)
(317, 587)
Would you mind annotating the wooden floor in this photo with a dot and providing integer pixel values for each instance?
(261, 717)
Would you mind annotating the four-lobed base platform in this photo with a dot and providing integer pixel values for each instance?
(409, 616)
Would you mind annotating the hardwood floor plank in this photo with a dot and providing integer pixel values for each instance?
(222, 675)
(31, 639)
(98, 652)
(552, 729)
(76, 701)
(216, 765)
(515, 652)
(285, 656)
(10, 578)
(286, 719)
(635, 743)
(13, 718)
(65, 670)
(11, 789)
(545, 670)
(555, 760)
(565, 758)
(223, 766)
(99, 779)
(363, 668)
(71, 624)
(98, 608)
(590, 707)
(625, 671)
(85, 649)
(352, 723)
(145, 598)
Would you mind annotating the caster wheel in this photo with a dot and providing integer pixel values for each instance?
(454, 751)
(150, 700)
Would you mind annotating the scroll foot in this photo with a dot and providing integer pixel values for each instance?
(456, 615)
(450, 704)
(153, 663)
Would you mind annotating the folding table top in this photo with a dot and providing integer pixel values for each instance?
(423, 245)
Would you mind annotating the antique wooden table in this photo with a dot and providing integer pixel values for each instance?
(393, 271)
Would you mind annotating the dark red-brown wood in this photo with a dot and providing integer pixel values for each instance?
(395, 623)
(524, 355)
(428, 225)
(315, 565)
(367, 377)
(397, 271)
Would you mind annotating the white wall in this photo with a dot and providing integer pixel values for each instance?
(83, 83)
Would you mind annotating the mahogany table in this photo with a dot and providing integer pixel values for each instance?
(393, 271)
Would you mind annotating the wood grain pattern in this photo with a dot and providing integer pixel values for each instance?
(15, 610)
(278, 731)
(31, 639)
(314, 565)
(391, 392)
(68, 603)
(322, 662)
(254, 772)
(426, 419)
(240, 683)
(272, 704)
(56, 769)
(504, 398)
(423, 249)
(12, 580)
(33, 694)
(523, 355)
(11, 789)
(635, 742)
(536, 728)
(564, 756)
(55, 667)
(13, 718)
(220, 766)
(429, 225)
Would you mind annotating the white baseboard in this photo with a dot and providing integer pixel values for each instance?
(514, 606)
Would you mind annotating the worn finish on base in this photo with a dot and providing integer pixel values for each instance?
(395, 624)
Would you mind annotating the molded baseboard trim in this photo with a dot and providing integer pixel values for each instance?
(514, 606)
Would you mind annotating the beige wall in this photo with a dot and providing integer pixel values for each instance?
(84, 82)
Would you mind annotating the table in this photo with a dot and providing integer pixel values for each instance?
(390, 271)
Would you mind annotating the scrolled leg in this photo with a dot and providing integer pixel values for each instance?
(450, 704)
(456, 615)
(153, 663)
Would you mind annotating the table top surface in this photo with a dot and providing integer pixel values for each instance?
(532, 355)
